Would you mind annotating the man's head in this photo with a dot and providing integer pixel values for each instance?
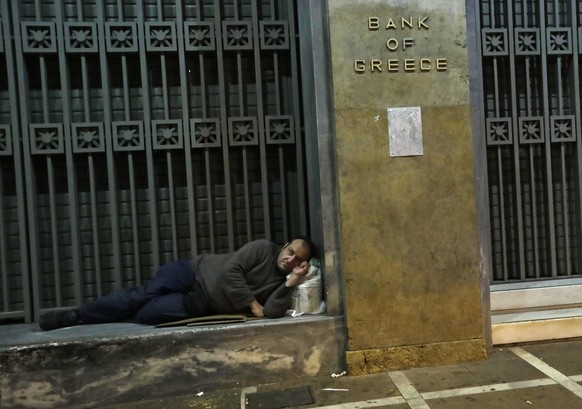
(294, 253)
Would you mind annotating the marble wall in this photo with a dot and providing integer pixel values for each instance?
(409, 243)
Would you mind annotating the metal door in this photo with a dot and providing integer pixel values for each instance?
(136, 132)
(530, 100)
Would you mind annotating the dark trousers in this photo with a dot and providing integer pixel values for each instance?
(159, 300)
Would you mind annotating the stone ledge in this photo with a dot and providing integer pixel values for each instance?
(96, 365)
(371, 361)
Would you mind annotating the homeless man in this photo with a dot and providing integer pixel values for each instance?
(257, 279)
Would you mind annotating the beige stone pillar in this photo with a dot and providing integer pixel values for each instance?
(409, 224)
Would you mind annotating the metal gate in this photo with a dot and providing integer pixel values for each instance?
(135, 132)
(530, 97)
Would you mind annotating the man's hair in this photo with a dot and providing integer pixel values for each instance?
(313, 250)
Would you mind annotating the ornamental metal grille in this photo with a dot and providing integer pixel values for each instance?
(530, 96)
(136, 132)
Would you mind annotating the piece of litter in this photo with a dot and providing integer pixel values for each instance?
(337, 375)
(528, 402)
(335, 390)
(200, 394)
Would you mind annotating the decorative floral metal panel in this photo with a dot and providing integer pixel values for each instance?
(151, 130)
(531, 128)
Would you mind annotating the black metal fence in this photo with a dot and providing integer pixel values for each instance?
(531, 84)
(135, 132)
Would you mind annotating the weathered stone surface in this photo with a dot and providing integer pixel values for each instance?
(158, 363)
(410, 257)
(389, 359)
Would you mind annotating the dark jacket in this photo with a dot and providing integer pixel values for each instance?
(232, 281)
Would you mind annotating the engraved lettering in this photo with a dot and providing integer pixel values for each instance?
(409, 64)
(373, 23)
(375, 65)
(422, 23)
(392, 44)
(424, 64)
(392, 65)
(407, 42)
(360, 65)
(390, 25)
(406, 23)
(441, 64)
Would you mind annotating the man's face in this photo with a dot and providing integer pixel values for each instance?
(293, 254)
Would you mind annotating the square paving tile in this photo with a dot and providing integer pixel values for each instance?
(346, 389)
(541, 397)
(563, 356)
(501, 366)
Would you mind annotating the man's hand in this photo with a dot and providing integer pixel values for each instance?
(257, 309)
(297, 275)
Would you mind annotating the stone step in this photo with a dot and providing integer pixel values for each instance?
(552, 323)
(98, 365)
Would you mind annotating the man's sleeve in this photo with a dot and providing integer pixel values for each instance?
(232, 280)
(278, 302)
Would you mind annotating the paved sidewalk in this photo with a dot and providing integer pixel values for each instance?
(534, 376)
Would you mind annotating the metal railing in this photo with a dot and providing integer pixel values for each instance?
(530, 98)
(137, 132)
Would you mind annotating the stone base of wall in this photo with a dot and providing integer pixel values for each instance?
(371, 361)
(99, 365)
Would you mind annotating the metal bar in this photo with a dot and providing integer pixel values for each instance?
(534, 210)
(260, 121)
(153, 205)
(111, 168)
(95, 224)
(92, 187)
(44, 88)
(131, 170)
(502, 215)
(28, 186)
(3, 248)
(37, 10)
(500, 179)
(70, 163)
(172, 198)
(210, 201)
(80, 10)
(577, 109)
(297, 117)
(134, 221)
(86, 89)
(284, 210)
(17, 162)
(548, 148)
(185, 88)
(224, 124)
(568, 260)
(209, 193)
(241, 112)
(532, 173)
(246, 193)
(280, 147)
(126, 93)
(516, 148)
(120, 9)
(565, 218)
(54, 230)
(166, 96)
(173, 218)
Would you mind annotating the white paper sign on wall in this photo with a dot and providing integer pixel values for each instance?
(405, 131)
